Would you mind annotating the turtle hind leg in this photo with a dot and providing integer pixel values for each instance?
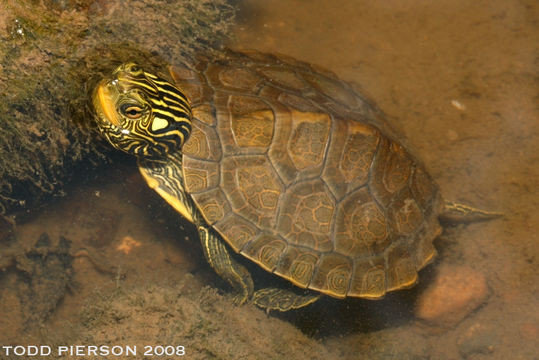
(235, 274)
(218, 256)
(460, 213)
(283, 299)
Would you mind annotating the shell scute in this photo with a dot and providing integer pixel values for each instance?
(397, 168)
(238, 230)
(401, 270)
(266, 249)
(362, 229)
(377, 186)
(350, 156)
(308, 139)
(297, 264)
(284, 78)
(200, 175)
(252, 187)
(203, 142)
(404, 213)
(332, 89)
(368, 278)
(245, 124)
(306, 216)
(332, 275)
(213, 204)
(190, 81)
(232, 77)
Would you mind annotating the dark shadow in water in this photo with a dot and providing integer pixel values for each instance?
(333, 317)
(81, 174)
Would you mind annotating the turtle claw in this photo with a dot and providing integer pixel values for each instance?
(240, 299)
(244, 293)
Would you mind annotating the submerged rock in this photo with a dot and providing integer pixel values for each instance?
(454, 294)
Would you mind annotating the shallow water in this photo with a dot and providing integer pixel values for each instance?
(458, 78)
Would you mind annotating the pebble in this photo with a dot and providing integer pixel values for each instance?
(455, 293)
(458, 105)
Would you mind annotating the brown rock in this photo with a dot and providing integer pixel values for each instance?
(456, 292)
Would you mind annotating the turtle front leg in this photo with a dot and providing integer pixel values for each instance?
(218, 256)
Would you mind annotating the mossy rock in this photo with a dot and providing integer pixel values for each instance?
(52, 51)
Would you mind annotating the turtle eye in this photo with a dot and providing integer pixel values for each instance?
(133, 68)
(131, 111)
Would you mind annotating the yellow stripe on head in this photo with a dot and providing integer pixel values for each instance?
(107, 104)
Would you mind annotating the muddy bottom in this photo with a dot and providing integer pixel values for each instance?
(457, 78)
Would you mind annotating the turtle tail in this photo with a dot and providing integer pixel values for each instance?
(455, 213)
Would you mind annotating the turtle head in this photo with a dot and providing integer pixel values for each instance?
(141, 113)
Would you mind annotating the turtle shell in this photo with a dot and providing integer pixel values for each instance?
(299, 173)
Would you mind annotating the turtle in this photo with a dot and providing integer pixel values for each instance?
(281, 162)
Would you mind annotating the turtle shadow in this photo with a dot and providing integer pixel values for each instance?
(334, 317)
